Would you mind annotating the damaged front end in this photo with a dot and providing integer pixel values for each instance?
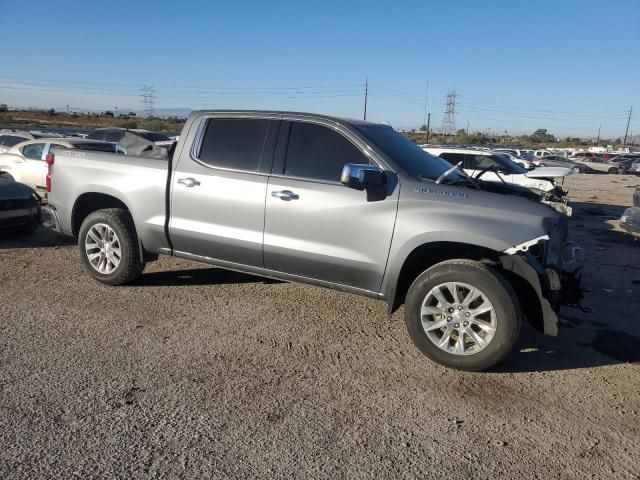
(552, 266)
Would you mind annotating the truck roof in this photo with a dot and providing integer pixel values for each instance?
(351, 121)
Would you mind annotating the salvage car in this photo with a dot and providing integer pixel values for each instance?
(560, 161)
(491, 166)
(19, 206)
(25, 161)
(343, 204)
(115, 135)
(9, 138)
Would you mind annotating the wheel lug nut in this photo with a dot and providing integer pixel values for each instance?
(451, 310)
(465, 324)
(449, 319)
(467, 314)
(456, 325)
(459, 307)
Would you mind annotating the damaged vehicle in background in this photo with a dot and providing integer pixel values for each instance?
(560, 161)
(342, 204)
(25, 161)
(19, 207)
(490, 167)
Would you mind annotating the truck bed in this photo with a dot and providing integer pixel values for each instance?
(81, 178)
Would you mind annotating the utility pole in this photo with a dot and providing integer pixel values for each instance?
(366, 94)
(598, 141)
(67, 109)
(116, 109)
(467, 128)
(426, 98)
(428, 126)
(627, 130)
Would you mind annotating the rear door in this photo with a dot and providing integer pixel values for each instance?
(315, 227)
(218, 190)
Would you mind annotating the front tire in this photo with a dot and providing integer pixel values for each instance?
(463, 314)
(613, 171)
(576, 170)
(108, 246)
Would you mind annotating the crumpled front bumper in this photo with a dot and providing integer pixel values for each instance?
(554, 284)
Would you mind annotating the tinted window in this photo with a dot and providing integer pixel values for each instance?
(455, 158)
(153, 137)
(115, 136)
(96, 135)
(10, 140)
(406, 154)
(319, 152)
(33, 151)
(234, 143)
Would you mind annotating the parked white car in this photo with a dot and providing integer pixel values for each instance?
(25, 162)
(489, 166)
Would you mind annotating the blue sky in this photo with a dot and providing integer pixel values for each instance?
(568, 66)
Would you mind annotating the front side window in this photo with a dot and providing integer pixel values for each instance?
(456, 158)
(33, 151)
(97, 135)
(318, 152)
(235, 143)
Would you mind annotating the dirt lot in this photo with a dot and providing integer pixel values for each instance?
(196, 372)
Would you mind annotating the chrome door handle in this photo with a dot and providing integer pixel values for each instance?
(285, 195)
(188, 182)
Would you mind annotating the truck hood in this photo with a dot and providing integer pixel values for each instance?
(549, 172)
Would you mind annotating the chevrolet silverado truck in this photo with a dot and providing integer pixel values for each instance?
(343, 204)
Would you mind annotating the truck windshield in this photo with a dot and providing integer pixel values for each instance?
(409, 157)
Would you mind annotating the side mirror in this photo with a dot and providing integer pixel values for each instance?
(362, 176)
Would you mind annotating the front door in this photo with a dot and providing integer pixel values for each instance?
(218, 191)
(317, 228)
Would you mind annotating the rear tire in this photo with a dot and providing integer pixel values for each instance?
(576, 170)
(498, 328)
(111, 258)
(613, 171)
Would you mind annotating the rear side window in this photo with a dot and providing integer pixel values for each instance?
(455, 158)
(318, 152)
(33, 151)
(234, 143)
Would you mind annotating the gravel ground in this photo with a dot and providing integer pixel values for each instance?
(195, 372)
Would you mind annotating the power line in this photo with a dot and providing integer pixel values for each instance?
(366, 94)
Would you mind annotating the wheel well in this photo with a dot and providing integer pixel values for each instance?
(88, 203)
(427, 255)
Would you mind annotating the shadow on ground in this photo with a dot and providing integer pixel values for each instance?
(42, 237)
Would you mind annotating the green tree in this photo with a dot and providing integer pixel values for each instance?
(3, 107)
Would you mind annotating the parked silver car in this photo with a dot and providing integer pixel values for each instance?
(343, 204)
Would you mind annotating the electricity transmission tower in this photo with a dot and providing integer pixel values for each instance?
(148, 99)
(449, 120)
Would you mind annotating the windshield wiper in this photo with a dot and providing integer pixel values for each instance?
(493, 169)
(461, 170)
(449, 172)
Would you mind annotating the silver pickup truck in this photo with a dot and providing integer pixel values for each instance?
(343, 204)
